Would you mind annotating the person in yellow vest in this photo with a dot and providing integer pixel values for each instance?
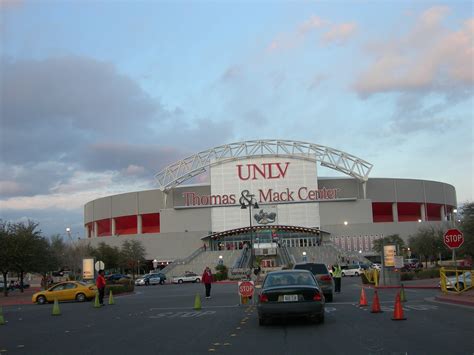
(336, 274)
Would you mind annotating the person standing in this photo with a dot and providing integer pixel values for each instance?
(207, 280)
(336, 274)
(100, 283)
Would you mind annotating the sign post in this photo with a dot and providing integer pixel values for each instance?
(246, 290)
(453, 239)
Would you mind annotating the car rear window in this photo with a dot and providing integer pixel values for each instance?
(287, 279)
(316, 269)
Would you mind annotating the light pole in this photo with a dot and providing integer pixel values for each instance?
(304, 257)
(248, 200)
(155, 264)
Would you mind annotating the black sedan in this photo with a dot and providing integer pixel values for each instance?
(290, 293)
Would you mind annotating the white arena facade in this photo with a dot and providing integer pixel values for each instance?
(295, 205)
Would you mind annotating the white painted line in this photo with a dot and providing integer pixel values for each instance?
(206, 307)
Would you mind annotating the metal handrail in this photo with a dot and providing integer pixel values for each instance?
(460, 277)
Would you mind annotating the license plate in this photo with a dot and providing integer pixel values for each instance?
(290, 298)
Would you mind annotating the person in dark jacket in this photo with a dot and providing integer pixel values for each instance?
(100, 283)
(207, 280)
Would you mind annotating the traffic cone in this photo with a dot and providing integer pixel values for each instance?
(56, 310)
(197, 302)
(376, 304)
(2, 321)
(363, 299)
(111, 298)
(96, 302)
(403, 298)
(398, 311)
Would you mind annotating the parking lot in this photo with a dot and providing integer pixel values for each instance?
(161, 319)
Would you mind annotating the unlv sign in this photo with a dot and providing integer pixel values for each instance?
(264, 171)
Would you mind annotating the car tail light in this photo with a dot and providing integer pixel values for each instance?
(317, 297)
(325, 278)
(263, 298)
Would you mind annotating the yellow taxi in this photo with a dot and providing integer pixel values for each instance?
(66, 291)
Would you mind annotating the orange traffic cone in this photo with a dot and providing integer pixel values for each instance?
(376, 304)
(398, 311)
(363, 299)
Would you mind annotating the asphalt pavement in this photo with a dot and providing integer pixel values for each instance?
(161, 320)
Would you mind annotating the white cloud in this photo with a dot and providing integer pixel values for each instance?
(429, 57)
(340, 33)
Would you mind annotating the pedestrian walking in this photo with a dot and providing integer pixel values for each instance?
(336, 274)
(100, 283)
(207, 280)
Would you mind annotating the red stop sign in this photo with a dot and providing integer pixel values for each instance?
(246, 288)
(453, 238)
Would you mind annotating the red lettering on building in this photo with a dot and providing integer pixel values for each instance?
(264, 171)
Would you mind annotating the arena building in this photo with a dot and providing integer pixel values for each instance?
(267, 190)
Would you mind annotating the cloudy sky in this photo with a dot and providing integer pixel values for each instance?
(98, 96)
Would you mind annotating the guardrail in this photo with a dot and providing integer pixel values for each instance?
(461, 281)
(186, 260)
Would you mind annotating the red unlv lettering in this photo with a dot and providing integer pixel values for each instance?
(265, 171)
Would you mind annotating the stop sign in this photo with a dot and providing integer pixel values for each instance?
(453, 238)
(246, 288)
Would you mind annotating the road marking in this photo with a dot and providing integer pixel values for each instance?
(329, 309)
(172, 308)
(195, 314)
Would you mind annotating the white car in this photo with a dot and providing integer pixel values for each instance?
(376, 266)
(352, 270)
(187, 277)
(149, 279)
(464, 280)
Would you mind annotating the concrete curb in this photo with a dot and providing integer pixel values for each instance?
(412, 287)
(463, 302)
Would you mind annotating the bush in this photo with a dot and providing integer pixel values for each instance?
(121, 287)
(222, 273)
(405, 276)
(427, 274)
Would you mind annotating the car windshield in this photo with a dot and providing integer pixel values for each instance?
(284, 279)
(314, 268)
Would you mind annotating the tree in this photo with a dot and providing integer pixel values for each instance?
(6, 252)
(109, 255)
(393, 239)
(467, 227)
(428, 242)
(132, 254)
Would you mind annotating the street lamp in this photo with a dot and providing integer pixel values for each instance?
(155, 264)
(248, 200)
(345, 223)
(221, 261)
(304, 257)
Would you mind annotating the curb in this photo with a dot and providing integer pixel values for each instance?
(412, 287)
(454, 301)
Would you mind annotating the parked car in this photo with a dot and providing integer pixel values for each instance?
(187, 277)
(352, 270)
(66, 291)
(376, 266)
(290, 293)
(322, 275)
(151, 279)
(116, 277)
(464, 280)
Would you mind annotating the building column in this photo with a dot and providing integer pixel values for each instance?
(139, 224)
(443, 213)
(86, 231)
(95, 229)
(394, 212)
(423, 212)
(113, 227)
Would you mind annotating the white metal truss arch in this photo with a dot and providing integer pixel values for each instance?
(183, 170)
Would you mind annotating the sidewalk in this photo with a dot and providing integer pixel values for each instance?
(17, 298)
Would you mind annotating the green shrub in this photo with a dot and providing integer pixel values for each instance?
(121, 287)
(405, 276)
(222, 273)
(427, 274)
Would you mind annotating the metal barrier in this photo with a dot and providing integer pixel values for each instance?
(461, 281)
(372, 276)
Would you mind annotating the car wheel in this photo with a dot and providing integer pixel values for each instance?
(343, 274)
(328, 297)
(162, 282)
(198, 280)
(41, 299)
(356, 274)
(320, 318)
(80, 297)
(180, 281)
(147, 283)
(460, 286)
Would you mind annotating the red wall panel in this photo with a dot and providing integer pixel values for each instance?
(409, 211)
(433, 212)
(104, 227)
(151, 223)
(126, 225)
(382, 212)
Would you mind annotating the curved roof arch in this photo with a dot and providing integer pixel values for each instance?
(185, 169)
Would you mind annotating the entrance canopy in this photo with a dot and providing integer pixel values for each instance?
(177, 173)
